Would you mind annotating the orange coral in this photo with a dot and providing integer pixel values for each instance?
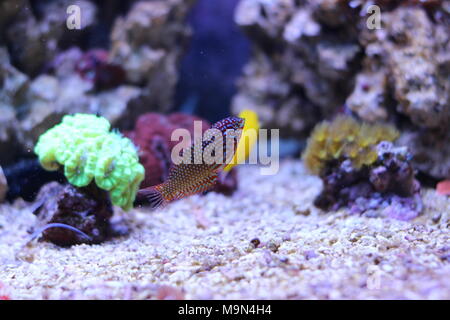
(345, 138)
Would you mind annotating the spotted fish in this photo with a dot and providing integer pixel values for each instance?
(186, 179)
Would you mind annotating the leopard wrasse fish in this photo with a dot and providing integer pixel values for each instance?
(186, 179)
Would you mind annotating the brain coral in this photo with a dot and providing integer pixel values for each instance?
(345, 138)
(88, 150)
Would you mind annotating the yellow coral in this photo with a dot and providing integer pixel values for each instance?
(345, 138)
(84, 145)
(248, 139)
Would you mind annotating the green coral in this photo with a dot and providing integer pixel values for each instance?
(88, 150)
(345, 138)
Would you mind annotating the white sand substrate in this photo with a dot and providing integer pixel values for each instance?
(204, 248)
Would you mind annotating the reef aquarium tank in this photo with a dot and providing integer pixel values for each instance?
(226, 149)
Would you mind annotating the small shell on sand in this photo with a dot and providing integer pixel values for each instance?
(325, 255)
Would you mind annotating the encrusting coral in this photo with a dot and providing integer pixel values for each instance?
(89, 151)
(345, 138)
(362, 169)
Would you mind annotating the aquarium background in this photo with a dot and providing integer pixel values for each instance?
(353, 95)
(208, 69)
(213, 62)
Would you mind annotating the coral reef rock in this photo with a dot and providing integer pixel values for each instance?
(388, 184)
(314, 58)
(430, 150)
(148, 43)
(362, 169)
(87, 209)
(12, 80)
(48, 70)
(48, 100)
(303, 65)
(12, 84)
(3, 185)
(9, 135)
(33, 36)
(412, 53)
(418, 56)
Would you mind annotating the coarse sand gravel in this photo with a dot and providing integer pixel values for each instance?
(267, 241)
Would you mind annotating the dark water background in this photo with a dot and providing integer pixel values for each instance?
(214, 60)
